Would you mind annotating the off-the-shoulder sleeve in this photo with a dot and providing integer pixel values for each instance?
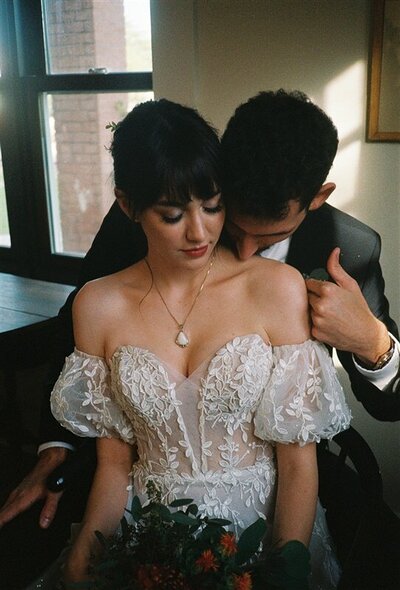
(303, 401)
(82, 399)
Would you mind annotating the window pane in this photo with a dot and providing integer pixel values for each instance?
(4, 228)
(79, 166)
(86, 35)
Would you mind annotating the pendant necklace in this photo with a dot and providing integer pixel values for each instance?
(182, 339)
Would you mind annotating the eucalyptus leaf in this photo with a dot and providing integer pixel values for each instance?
(180, 502)
(219, 521)
(297, 558)
(210, 532)
(164, 512)
(288, 567)
(250, 539)
(136, 509)
(182, 518)
(192, 509)
(124, 529)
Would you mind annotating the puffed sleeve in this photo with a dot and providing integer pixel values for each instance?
(82, 399)
(303, 400)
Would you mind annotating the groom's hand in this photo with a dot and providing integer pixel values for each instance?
(341, 317)
(33, 489)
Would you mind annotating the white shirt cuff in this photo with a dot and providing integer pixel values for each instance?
(55, 443)
(383, 377)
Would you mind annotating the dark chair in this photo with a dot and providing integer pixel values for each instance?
(366, 532)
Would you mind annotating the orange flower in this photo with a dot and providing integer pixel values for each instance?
(243, 581)
(228, 544)
(207, 561)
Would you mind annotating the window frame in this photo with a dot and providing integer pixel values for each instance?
(22, 83)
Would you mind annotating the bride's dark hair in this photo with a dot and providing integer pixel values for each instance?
(162, 148)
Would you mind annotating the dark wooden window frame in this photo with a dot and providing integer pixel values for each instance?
(23, 82)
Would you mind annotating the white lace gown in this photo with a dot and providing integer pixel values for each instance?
(210, 436)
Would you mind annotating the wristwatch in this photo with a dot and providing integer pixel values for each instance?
(382, 360)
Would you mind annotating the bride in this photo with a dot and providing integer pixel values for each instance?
(202, 363)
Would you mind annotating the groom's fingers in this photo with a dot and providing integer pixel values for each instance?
(337, 273)
(49, 509)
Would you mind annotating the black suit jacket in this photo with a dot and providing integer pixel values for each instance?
(120, 243)
(320, 232)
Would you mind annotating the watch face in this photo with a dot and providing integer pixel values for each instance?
(385, 358)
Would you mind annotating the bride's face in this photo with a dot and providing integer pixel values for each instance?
(183, 233)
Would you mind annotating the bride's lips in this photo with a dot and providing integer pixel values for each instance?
(196, 252)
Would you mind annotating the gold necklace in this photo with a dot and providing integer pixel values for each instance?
(182, 339)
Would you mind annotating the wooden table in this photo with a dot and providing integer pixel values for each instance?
(28, 324)
(25, 302)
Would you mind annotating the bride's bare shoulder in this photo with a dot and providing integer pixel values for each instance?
(101, 301)
(276, 277)
(278, 293)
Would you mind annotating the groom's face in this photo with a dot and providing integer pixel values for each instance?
(252, 235)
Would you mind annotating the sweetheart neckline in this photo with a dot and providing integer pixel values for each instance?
(175, 370)
(268, 345)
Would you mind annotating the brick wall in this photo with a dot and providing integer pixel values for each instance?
(84, 34)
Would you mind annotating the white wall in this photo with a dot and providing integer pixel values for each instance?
(215, 54)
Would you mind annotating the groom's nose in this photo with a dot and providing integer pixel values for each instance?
(246, 246)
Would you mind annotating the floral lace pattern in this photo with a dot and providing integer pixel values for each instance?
(208, 436)
(304, 401)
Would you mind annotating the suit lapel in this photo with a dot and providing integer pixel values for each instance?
(312, 242)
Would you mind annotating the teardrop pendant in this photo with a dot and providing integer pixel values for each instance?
(182, 340)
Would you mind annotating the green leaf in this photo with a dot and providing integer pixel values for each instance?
(182, 518)
(136, 509)
(218, 521)
(297, 558)
(112, 125)
(124, 529)
(288, 567)
(192, 509)
(181, 502)
(210, 532)
(164, 512)
(250, 540)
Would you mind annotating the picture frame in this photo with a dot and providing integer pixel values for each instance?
(383, 113)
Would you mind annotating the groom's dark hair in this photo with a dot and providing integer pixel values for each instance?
(276, 147)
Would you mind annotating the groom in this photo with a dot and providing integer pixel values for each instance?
(277, 151)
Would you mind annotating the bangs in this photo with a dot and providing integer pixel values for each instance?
(198, 179)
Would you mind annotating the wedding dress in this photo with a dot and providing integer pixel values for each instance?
(210, 436)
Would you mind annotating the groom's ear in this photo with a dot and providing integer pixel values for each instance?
(322, 195)
(124, 203)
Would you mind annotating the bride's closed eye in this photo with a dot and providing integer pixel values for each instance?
(173, 214)
(215, 209)
(171, 219)
(208, 210)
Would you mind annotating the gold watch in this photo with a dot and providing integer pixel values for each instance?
(382, 360)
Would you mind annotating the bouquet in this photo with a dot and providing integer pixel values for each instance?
(180, 549)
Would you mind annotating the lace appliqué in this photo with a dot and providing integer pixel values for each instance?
(303, 401)
(207, 437)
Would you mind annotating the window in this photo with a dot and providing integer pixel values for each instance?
(68, 69)
(4, 227)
